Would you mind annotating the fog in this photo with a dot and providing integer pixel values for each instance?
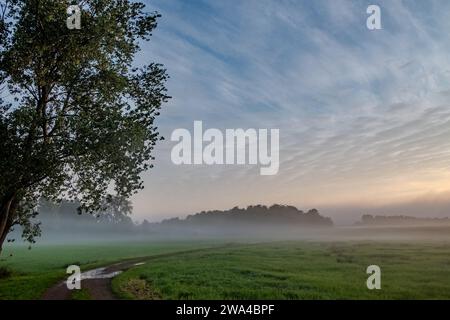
(60, 224)
(78, 232)
(428, 205)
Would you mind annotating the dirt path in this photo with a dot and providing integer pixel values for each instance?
(98, 281)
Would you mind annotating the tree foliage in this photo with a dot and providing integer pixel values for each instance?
(255, 216)
(77, 117)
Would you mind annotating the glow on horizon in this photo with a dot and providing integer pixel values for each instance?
(364, 116)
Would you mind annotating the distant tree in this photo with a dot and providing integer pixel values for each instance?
(313, 212)
(76, 118)
(116, 210)
(367, 219)
(255, 216)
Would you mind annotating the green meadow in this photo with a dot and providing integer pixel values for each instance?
(271, 270)
(295, 270)
(26, 274)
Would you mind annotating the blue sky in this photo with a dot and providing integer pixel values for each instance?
(363, 115)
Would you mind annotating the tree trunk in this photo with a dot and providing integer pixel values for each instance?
(7, 212)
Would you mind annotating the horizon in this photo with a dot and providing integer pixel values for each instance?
(215, 159)
(362, 113)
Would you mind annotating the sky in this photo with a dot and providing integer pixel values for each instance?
(364, 115)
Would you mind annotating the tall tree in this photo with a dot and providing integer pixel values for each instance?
(76, 116)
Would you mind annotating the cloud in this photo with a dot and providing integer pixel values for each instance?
(363, 115)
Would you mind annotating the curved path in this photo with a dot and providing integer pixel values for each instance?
(98, 281)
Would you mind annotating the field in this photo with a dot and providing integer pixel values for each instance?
(35, 270)
(274, 270)
(295, 270)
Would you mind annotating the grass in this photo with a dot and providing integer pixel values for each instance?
(276, 270)
(132, 288)
(26, 274)
(294, 270)
(5, 273)
(81, 294)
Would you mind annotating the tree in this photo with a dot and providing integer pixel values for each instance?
(116, 210)
(77, 117)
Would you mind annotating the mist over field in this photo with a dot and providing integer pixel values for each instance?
(257, 252)
(61, 224)
(433, 205)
